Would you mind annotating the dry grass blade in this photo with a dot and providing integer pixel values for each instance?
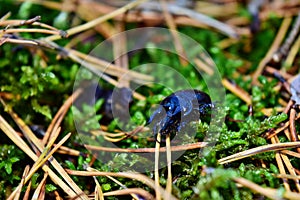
(33, 139)
(257, 150)
(131, 175)
(11, 133)
(268, 192)
(40, 162)
(137, 191)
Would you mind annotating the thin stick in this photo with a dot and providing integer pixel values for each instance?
(169, 162)
(156, 167)
(99, 20)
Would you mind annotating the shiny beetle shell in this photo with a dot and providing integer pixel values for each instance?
(178, 109)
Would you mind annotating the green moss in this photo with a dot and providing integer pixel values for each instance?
(39, 90)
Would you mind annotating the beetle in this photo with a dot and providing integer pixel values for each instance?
(178, 109)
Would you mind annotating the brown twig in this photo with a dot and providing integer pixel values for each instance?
(148, 150)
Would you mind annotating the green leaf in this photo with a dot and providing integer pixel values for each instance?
(50, 188)
(70, 165)
(106, 187)
(44, 110)
(14, 159)
(8, 167)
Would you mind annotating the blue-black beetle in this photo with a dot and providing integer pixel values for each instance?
(178, 109)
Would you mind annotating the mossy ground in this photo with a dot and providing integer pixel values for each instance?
(35, 82)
